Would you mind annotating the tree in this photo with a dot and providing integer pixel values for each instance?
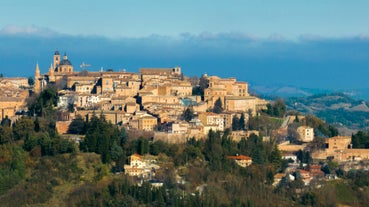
(6, 121)
(78, 126)
(360, 140)
(43, 105)
(242, 121)
(188, 114)
(297, 120)
(106, 139)
(235, 123)
(31, 81)
(218, 106)
(276, 158)
(199, 85)
(6, 134)
(116, 152)
(23, 127)
(278, 108)
(203, 83)
(304, 156)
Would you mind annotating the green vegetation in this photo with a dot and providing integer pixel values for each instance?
(360, 140)
(238, 123)
(320, 127)
(188, 114)
(265, 124)
(78, 126)
(276, 109)
(199, 85)
(218, 106)
(106, 139)
(336, 108)
(40, 168)
(43, 105)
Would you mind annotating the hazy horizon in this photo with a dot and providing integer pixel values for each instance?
(311, 44)
(326, 63)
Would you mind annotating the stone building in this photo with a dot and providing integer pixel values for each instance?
(306, 134)
(340, 149)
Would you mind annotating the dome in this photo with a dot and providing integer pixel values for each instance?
(65, 62)
(56, 53)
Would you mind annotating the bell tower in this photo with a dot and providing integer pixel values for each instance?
(56, 59)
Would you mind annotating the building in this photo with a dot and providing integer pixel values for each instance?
(306, 134)
(136, 166)
(340, 149)
(147, 122)
(241, 160)
(13, 95)
(211, 121)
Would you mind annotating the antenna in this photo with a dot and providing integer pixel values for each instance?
(83, 66)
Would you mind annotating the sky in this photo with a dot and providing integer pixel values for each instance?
(312, 44)
(138, 18)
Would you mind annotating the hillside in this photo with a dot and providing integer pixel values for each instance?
(337, 108)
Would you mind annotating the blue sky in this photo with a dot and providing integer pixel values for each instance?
(138, 18)
(312, 44)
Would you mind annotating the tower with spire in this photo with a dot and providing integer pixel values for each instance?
(51, 74)
(37, 86)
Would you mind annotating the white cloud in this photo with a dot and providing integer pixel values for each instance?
(27, 30)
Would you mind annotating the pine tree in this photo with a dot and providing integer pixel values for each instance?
(218, 106)
(235, 123)
(188, 114)
(242, 122)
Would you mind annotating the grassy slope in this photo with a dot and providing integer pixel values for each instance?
(51, 179)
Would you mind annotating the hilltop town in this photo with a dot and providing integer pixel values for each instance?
(143, 101)
(160, 129)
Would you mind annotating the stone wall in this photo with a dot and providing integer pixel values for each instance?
(170, 138)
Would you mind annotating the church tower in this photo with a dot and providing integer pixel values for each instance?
(56, 59)
(51, 73)
(37, 86)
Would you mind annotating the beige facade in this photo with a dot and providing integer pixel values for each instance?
(89, 80)
(84, 88)
(244, 104)
(306, 134)
(159, 99)
(136, 166)
(13, 95)
(10, 105)
(147, 123)
(340, 149)
(211, 121)
(233, 94)
(337, 143)
(160, 71)
(15, 82)
(178, 128)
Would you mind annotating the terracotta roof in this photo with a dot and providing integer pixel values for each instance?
(136, 156)
(239, 157)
